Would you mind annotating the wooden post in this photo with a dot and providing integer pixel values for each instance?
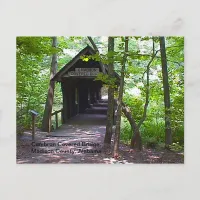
(62, 116)
(56, 117)
(34, 114)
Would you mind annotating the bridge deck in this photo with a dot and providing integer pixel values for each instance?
(82, 125)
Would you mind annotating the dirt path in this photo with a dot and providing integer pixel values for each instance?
(68, 151)
(81, 141)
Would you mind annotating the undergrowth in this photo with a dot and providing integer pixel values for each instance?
(153, 135)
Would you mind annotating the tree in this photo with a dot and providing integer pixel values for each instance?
(136, 138)
(143, 113)
(33, 59)
(46, 123)
(168, 132)
(110, 112)
(119, 107)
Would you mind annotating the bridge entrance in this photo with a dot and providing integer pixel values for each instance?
(81, 92)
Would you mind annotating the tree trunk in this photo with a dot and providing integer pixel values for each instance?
(136, 141)
(119, 108)
(109, 125)
(46, 123)
(168, 133)
(110, 112)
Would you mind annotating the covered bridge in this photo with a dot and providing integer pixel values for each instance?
(79, 89)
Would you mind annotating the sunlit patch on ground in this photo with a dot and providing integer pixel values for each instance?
(78, 142)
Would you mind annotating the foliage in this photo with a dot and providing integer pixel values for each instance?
(126, 132)
(107, 81)
(135, 104)
(32, 77)
(176, 147)
(33, 70)
(34, 46)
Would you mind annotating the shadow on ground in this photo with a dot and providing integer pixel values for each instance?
(81, 141)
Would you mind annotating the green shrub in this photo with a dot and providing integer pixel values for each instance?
(151, 142)
(176, 147)
(153, 134)
(178, 135)
(151, 129)
(126, 132)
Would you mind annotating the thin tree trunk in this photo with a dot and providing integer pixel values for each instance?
(136, 141)
(46, 123)
(147, 89)
(168, 133)
(119, 109)
(110, 112)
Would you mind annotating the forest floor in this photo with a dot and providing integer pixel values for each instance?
(83, 143)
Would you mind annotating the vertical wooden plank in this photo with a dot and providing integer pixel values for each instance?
(62, 116)
(65, 100)
(70, 102)
(89, 95)
(77, 93)
(68, 98)
(73, 100)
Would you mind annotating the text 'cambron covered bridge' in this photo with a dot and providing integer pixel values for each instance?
(79, 89)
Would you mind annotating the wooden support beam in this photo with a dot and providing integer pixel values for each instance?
(62, 116)
(56, 116)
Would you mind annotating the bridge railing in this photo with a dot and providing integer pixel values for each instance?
(56, 116)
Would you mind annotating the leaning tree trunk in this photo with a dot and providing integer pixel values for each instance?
(119, 108)
(46, 122)
(136, 140)
(168, 132)
(110, 112)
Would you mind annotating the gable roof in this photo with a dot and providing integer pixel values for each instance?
(71, 63)
(87, 49)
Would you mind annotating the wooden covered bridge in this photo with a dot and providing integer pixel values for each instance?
(81, 93)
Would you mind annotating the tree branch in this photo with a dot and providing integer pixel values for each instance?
(147, 88)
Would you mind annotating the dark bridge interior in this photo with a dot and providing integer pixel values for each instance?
(78, 94)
